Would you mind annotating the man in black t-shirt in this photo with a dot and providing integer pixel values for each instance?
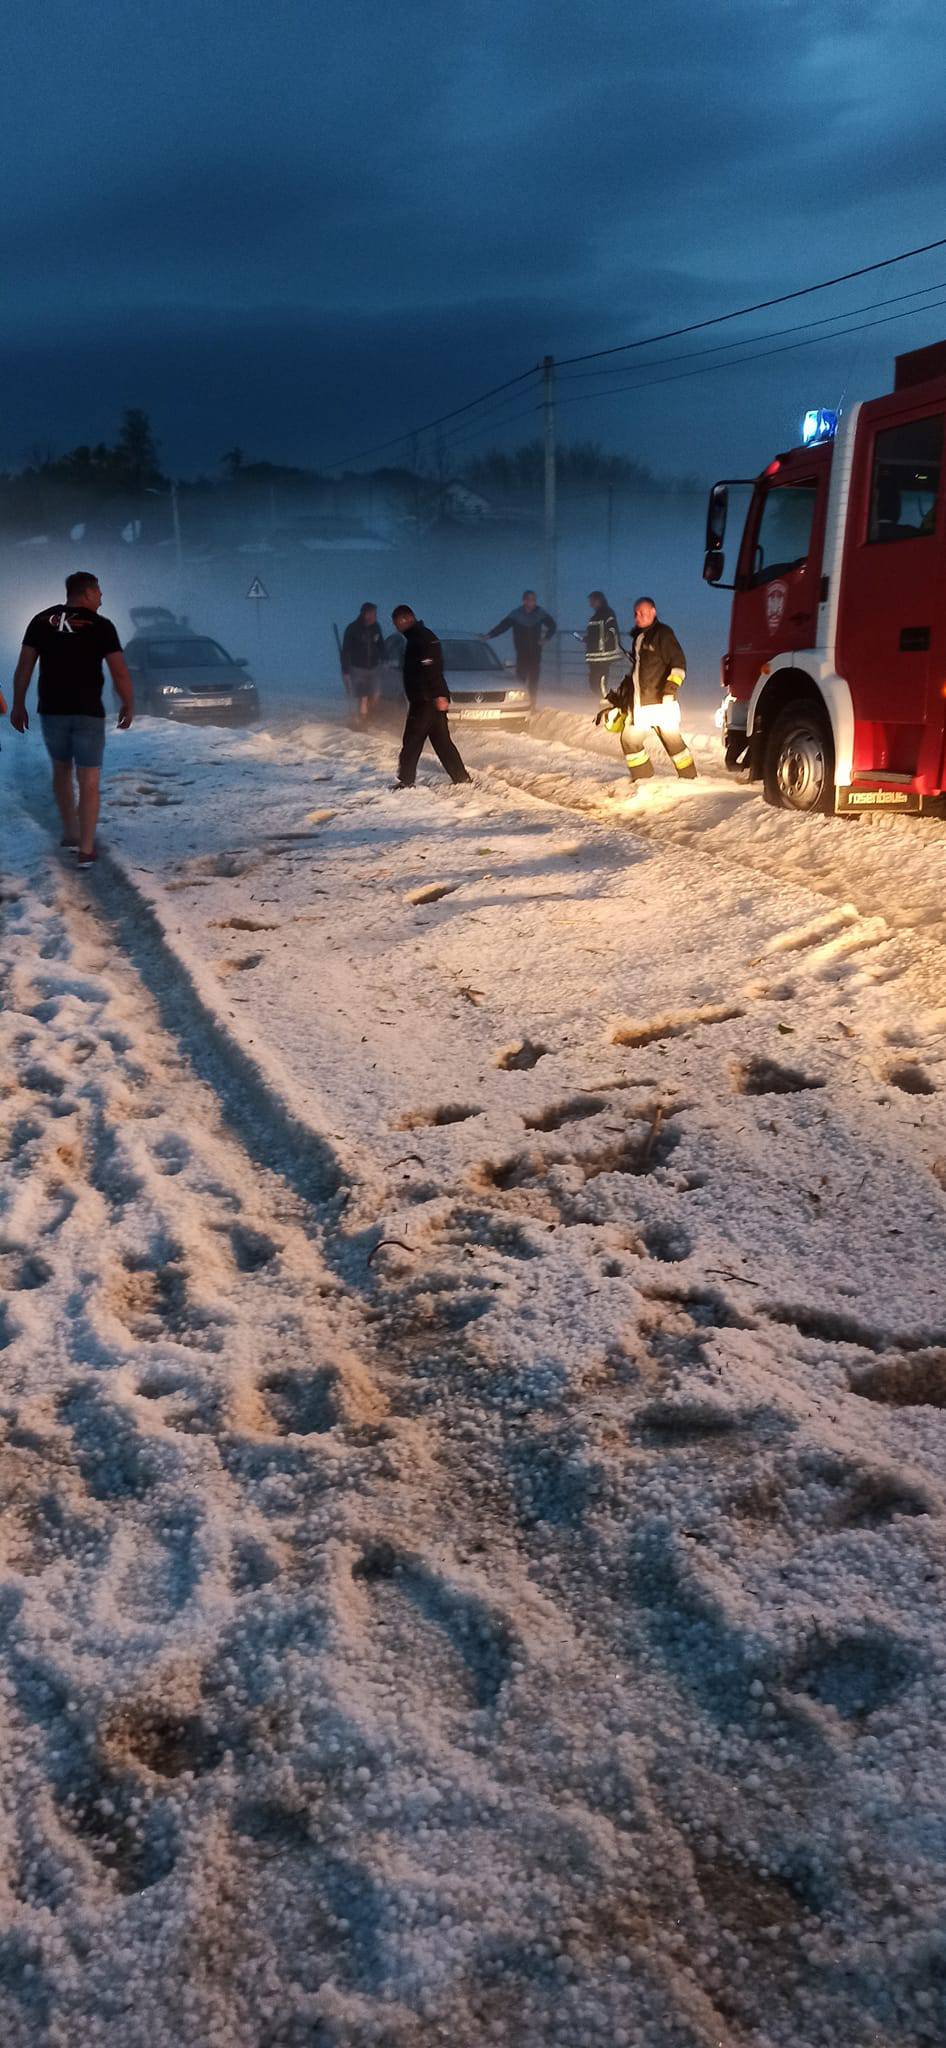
(70, 642)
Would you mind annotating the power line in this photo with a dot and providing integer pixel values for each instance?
(736, 362)
(473, 426)
(487, 422)
(774, 333)
(647, 341)
(398, 439)
(527, 412)
(761, 306)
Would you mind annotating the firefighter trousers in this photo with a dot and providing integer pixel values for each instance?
(638, 762)
(425, 722)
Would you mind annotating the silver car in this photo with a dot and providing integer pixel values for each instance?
(481, 688)
(186, 676)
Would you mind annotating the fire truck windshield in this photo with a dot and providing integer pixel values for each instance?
(783, 532)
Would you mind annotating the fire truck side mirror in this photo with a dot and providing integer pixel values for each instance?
(716, 512)
(714, 562)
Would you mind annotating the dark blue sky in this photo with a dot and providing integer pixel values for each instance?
(302, 228)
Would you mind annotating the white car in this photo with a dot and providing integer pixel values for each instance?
(481, 688)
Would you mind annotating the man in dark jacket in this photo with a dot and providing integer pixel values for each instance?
(647, 698)
(428, 697)
(530, 627)
(362, 655)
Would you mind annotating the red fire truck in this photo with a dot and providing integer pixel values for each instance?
(835, 676)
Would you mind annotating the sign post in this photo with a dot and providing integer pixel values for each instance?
(257, 591)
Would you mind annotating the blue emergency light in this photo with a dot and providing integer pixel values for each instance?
(818, 425)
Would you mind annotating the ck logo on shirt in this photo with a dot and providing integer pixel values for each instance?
(61, 622)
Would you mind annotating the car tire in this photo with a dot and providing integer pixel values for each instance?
(798, 759)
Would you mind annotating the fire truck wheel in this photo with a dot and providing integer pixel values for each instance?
(798, 762)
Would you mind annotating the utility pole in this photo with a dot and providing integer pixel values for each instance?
(550, 592)
(178, 550)
(153, 492)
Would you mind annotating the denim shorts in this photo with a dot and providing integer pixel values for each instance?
(365, 682)
(69, 737)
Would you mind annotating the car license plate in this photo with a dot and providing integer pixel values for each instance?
(475, 711)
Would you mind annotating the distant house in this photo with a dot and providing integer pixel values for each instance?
(462, 503)
(337, 533)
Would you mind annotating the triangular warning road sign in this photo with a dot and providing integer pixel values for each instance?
(257, 589)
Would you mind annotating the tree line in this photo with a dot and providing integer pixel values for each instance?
(131, 467)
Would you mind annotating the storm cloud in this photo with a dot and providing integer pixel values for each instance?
(304, 229)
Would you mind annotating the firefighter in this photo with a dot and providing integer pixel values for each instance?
(602, 643)
(648, 697)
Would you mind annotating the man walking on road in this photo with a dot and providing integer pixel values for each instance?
(530, 627)
(70, 642)
(648, 696)
(428, 700)
(362, 655)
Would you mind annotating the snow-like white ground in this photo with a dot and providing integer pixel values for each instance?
(473, 1366)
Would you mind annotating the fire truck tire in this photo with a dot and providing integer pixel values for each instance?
(798, 759)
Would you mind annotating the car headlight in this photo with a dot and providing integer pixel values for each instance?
(517, 696)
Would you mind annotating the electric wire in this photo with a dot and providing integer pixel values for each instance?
(773, 334)
(650, 340)
(527, 412)
(398, 440)
(738, 362)
(760, 306)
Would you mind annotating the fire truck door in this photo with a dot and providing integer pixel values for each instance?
(777, 604)
(892, 625)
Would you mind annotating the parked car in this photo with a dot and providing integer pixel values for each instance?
(481, 687)
(184, 675)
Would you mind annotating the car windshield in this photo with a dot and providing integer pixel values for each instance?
(194, 653)
(460, 655)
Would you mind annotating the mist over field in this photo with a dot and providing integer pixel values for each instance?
(460, 580)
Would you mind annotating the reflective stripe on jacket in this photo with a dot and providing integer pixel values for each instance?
(655, 650)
